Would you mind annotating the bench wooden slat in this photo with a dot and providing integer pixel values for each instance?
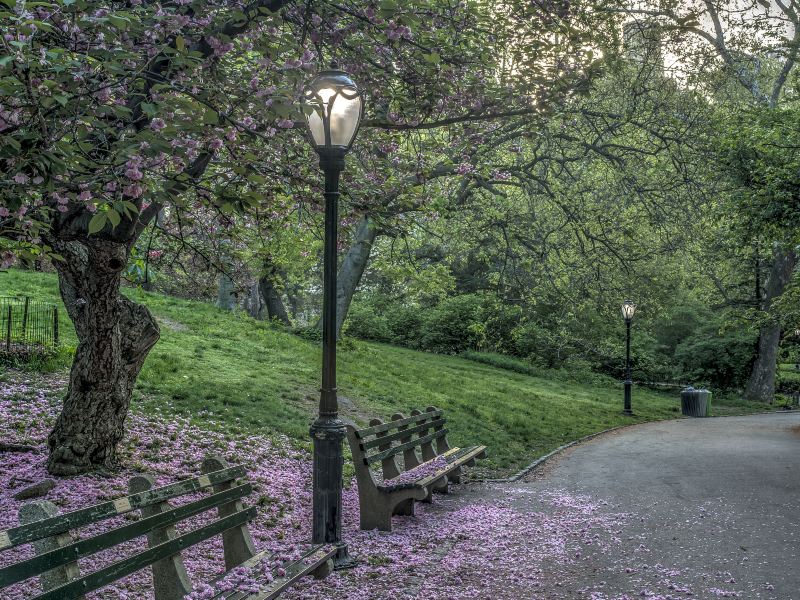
(362, 433)
(401, 434)
(316, 556)
(85, 547)
(106, 510)
(387, 483)
(454, 460)
(400, 447)
(125, 567)
(248, 564)
(295, 571)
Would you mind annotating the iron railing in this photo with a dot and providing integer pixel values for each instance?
(27, 325)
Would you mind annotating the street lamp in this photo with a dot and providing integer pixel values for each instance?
(628, 310)
(333, 109)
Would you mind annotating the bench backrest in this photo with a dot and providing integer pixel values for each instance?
(384, 443)
(57, 550)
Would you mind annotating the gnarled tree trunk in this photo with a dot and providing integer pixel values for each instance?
(761, 385)
(114, 338)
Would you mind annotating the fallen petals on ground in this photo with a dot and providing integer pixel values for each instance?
(490, 545)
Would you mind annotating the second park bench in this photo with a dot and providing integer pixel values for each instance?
(415, 460)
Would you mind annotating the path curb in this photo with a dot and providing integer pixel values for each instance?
(542, 459)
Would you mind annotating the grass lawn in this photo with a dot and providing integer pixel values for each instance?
(229, 371)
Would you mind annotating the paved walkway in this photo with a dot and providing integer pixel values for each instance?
(715, 509)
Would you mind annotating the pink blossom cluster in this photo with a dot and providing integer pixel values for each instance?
(395, 31)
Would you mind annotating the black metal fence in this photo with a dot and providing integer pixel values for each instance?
(27, 325)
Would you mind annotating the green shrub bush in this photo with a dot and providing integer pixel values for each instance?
(368, 323)
(404, 324)
(454, 325)
(721, 360)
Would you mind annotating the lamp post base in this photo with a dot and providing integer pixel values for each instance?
(327, 434)
(627, 410)
(343, 560)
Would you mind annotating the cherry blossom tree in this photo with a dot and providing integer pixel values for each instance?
(113, 111)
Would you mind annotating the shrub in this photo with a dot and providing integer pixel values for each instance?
(368, 324)
(404, 324)
(454, 325)
(542, 346)
(721, 360)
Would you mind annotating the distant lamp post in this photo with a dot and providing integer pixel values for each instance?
(334, 107)
(628, 310)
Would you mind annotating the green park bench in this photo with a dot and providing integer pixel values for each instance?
(57, 550)
(394, 490)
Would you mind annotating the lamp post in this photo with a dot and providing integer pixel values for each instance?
(628, 310)
(334, 107)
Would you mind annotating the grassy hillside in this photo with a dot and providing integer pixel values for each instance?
(228, 370)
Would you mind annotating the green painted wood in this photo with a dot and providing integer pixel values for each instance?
(400, 447)
(99, 512)
(379, 441)
(362, 433)
(248, 564)
(55, 558)
(316, 555)
(125, 567)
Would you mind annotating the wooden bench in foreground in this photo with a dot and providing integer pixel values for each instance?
(57, 550)
(406, 475)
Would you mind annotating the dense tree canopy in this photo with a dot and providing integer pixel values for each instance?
(522, 169)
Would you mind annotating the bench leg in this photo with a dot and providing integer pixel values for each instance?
(325, 569)
(376, 518)
(455, 476)
(405, 508)
(440, 485)
(376, 509)
(237, 545)
(43, 509)
(170, 579)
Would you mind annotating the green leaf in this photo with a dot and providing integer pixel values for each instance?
(98, 222)
(114, 217)
(180, 44)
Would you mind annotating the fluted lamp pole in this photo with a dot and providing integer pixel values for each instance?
(628, 310)
(333, 108)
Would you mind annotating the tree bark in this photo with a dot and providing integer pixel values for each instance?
(114, 338)
(271, 293)
(353, 267)
(255, 306)
(761, 384)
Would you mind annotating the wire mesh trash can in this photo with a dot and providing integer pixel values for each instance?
(695, 403)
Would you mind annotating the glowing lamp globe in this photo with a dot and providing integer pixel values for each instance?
(334, 107)
(628, 310)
